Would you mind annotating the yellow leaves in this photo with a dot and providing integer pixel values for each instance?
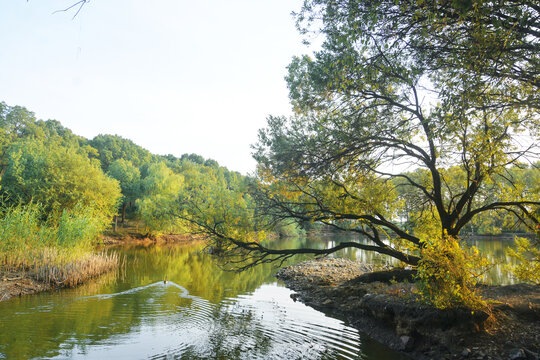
(527, 256)
(448, 274)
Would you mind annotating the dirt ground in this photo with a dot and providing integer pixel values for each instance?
(17, 283)
(390, 312)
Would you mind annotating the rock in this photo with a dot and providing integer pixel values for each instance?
(387, 276)
(531, 354)
(517, 355)
(407, 342)
(466, 352)
(327, 302)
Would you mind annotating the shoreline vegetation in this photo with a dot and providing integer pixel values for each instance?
(53, 273)
(50, 269)
(384, 304)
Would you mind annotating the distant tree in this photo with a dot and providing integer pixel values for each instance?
(114, 147)
(197, 159)
(129, 178)
(160, 191)
(211, 163)
(14, 122)
(58, 178)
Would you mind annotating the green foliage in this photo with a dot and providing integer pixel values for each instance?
(21, 228)
(289, 229)
(44, 162)
(129, 177)
(220, 204)
(57, 252)
(515, 183)
(79, 227)
(527, 256)
(197, 159)
(114, 147)
(127, 174)
(161, 188)
(58, 178)
(448, 274)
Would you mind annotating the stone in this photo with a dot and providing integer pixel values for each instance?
(517, 354)
(406, 342)
(466, 352)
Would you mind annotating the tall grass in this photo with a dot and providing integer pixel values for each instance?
(58, 251)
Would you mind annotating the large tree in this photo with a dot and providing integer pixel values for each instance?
(439, 98)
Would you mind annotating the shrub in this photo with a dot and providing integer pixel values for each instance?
(527, 256)
(448, 274)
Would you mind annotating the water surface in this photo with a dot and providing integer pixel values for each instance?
(201, 312)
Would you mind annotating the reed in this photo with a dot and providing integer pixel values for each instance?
(55, 268)
(58, 252)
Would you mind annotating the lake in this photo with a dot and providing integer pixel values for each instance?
(202, 312)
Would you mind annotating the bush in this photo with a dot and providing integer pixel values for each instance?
(448, 274)
(527, 256)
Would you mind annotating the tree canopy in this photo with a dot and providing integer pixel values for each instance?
(428, 103)
(59, 178)
(42, 162)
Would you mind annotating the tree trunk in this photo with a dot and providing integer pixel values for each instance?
(124, 205)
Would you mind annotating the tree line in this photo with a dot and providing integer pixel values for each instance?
(43, 162)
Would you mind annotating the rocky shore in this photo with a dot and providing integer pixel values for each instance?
(384, 304)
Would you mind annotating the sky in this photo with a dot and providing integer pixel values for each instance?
(174, 76)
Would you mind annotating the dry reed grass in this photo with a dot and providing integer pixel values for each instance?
(59, 253)
(59, 268)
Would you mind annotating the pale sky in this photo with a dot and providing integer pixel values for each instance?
(174, 76)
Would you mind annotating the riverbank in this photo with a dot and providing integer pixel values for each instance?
(135, 238)
(389, 311)
(31, 279)
(52, 273)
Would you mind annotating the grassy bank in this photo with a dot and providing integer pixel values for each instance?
(55, 252)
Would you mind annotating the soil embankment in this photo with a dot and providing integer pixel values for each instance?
(135, 238)
(17, 283)
(389, 311)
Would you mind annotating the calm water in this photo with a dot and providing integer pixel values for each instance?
(201, 313)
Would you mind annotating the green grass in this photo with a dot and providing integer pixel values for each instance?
(58, 252)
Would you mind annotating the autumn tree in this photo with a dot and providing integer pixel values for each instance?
(447, 89)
